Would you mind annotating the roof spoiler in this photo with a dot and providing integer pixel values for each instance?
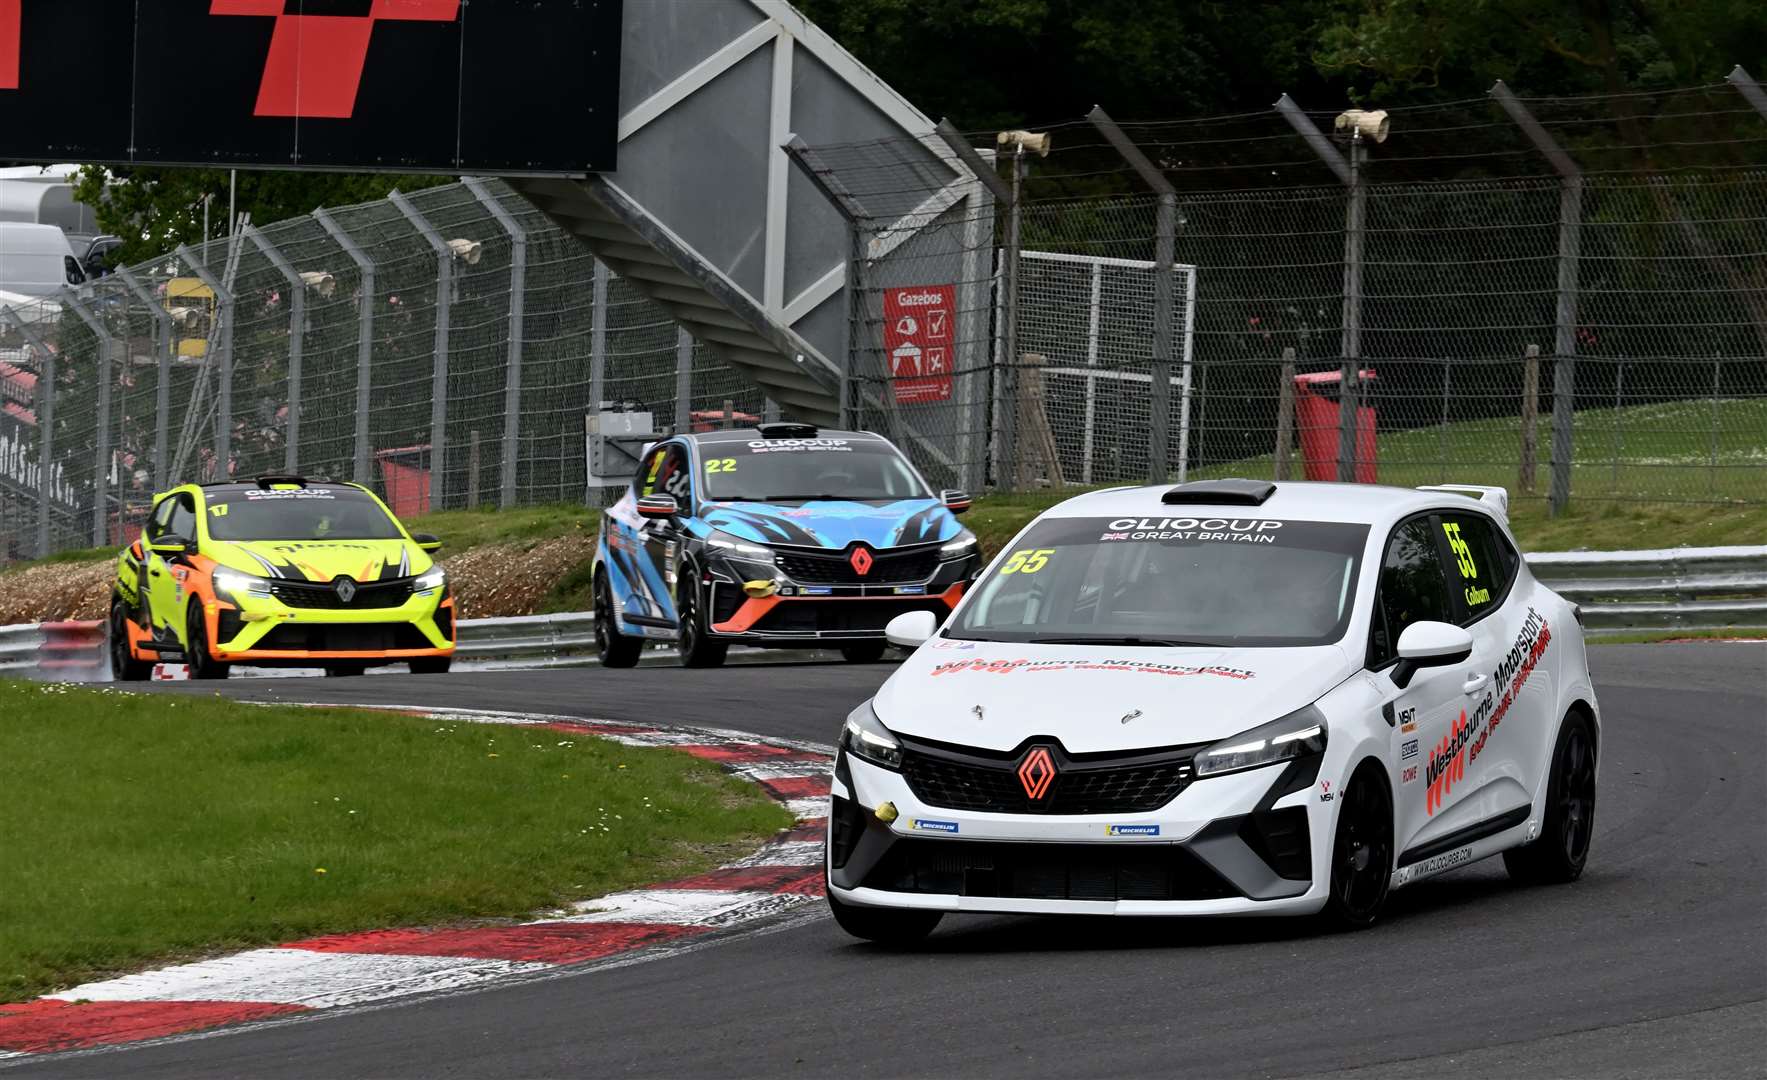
(1494, 497)
(786, 429)
(269, 480)
(1220, 492)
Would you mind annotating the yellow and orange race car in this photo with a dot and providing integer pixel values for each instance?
(278, 572)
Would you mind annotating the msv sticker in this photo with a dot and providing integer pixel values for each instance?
(1131, 830)
(928, 825)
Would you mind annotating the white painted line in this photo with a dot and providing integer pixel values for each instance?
(297, 977)
(784, 770)
(808, 808)
(677, 907)
(787, 853)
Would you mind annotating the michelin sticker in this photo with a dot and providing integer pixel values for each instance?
(1131, 830)
(929, 825)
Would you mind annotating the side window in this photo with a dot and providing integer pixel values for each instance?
(183, 522)
(674, 478)
(1482, 562)
(1413, 588)
(156, 526)
(649, 471)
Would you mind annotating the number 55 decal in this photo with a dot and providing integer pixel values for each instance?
(1028, 561)
(1462, 550)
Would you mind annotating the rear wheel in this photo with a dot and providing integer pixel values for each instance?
(202, 663)
(697, 646)
(614, 649)
(1559, 854)
(864, 652)
(431, 665)
(886, 926)
(1361, 851)
(123, 664)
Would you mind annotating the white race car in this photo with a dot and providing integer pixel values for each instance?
(1226, 697)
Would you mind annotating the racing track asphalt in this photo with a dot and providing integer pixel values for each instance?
(1653, 965)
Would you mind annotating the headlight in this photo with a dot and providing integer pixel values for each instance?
(739, 548)
(865, 736)
(958, 548)
(238, 585)
(1296, 735)
(429, 579)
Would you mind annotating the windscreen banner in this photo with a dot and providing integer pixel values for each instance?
(443, 86)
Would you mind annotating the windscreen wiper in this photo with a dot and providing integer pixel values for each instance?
(1099, 640)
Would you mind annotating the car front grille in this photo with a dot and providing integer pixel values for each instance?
(970, 780)
(345, 637)
(811, 617)
(836, 567)
(1098, 871)
(370, 595)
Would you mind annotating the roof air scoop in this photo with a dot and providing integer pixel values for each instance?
(1221, 493)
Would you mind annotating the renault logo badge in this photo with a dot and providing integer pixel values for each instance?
(1036, 772)
(861, 560)
(346, 589)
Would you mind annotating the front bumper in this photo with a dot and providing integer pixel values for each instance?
(269, 633)
(1222, 846)
(804, 612)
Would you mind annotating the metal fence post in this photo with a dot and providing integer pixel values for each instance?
(597, 363)
(1570, 221)
(163, 343)
(1350, 173)
(978, 229)
(45, 402)
(1750, 89)
(438, 406)
(512, 382)
(1530, 417)
(364, 340)
(1285, 412)
(224, 312)
(297, 326)
(106, 376)
(683, 380)
(1164, 245)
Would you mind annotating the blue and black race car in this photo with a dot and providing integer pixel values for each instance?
(779, 535)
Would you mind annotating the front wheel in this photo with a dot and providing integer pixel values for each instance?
(886, 926)
(612, 648)
(203, 664)
(123, 664)
(431, 665)
(695, 643)
(864, 652)
(1561, 851)
(344, 671)
(1361, 851)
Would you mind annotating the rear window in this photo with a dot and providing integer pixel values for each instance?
(312, 513)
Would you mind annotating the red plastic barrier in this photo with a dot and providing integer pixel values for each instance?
(1316, 418)
(71, 646)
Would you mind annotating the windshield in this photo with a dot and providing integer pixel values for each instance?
(314, 513)
(1170, 581)
(793, 470)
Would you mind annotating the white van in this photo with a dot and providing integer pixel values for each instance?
(36, 260)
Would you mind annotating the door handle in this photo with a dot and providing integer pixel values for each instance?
(1475, 683)
(154, 573)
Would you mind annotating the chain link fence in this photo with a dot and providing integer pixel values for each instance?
(311, 347)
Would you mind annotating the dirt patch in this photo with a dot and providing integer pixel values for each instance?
(56, 591)
(490, 581)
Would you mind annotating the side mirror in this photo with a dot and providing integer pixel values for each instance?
(658, 507)
(955, 500)
(1429, 644)
(170, 544)
(427, 541)
(911, 628)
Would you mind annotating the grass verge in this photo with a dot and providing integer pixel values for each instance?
(147, 828)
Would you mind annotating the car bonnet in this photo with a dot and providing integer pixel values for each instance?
(321, 560)
(835, 523)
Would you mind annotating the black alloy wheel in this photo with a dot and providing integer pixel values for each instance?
(123, 665)
(1561, 851)
(344, 670)
(202, 663)
(614, 649)
(864, 652)
(697, 647)
(1361, 851)
(431, 665)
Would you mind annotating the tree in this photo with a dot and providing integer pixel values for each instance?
(156, 209)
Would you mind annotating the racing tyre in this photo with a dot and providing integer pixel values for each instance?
(431, 665)
(344, 671)
(202, 663)
(123, 664)
(1361, 852)
(1558, 855)
(697, 647)
(864, 652)
(886, 926)
(615, 649)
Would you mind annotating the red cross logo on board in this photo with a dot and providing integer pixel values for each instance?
(861, 560)
(11, 23)
(316, 61)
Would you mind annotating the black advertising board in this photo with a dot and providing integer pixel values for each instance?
(510, 87)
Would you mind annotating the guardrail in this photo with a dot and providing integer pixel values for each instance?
(1693, 589)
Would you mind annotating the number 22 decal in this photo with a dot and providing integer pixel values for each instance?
(1028, 561)
(717, 465)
